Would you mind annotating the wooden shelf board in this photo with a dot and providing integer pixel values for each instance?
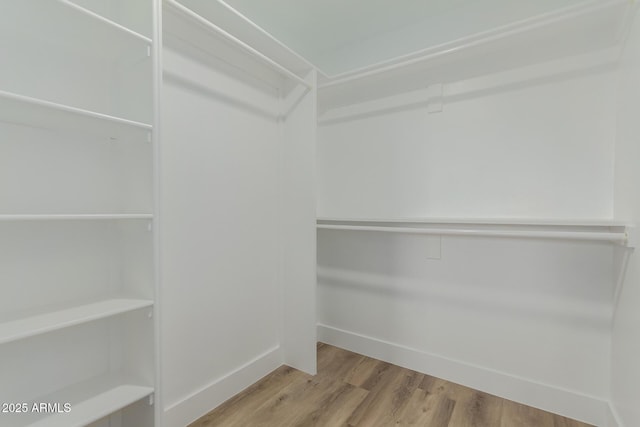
(101, 20)
(15, 108)
(184, 24)
(96, 407)
(72, 217)
(48, 321)
(90, 401)
(101, 37)
(593, 26)
(245, 29)
(594, 230)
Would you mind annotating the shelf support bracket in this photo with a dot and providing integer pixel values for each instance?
(632, 237)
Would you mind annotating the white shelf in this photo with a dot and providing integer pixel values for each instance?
(187, 25)
(96, 407)
(489, 221)
(593, 25)
(48, 321)
(82, 31)
(587, 230)
(90, 401)
(108, 23)
(25, 110)
(245, 29)
(73, 217)
(74, 75)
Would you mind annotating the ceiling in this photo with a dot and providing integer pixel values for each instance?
(340, 36)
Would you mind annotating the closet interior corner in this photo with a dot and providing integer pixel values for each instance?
(194, 193)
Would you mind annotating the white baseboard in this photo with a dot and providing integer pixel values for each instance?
(198, 403)
(568, 403)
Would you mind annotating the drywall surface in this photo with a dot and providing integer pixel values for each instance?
(537, 149)
(535, 310)
(525, 319)
(626, 344)
(220, 249)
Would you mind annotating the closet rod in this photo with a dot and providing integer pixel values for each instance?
(542, 234)
(214, 28)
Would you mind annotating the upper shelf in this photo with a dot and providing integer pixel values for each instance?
(60, 22)
(230, 20)
(193, 27)
(135, 15)
(21, 109)
(588, 27)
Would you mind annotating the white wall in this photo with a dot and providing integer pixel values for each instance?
(238, 223)
(542, 150)
(625, 389)
(526, 319)
(220, 249)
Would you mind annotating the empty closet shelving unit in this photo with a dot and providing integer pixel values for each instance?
(77, 331)
(194, 192)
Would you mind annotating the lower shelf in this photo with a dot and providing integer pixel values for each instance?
(86, 402)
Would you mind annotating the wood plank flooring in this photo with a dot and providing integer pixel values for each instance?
(354, 390)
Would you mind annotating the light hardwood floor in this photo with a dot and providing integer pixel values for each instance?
(355, 390)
